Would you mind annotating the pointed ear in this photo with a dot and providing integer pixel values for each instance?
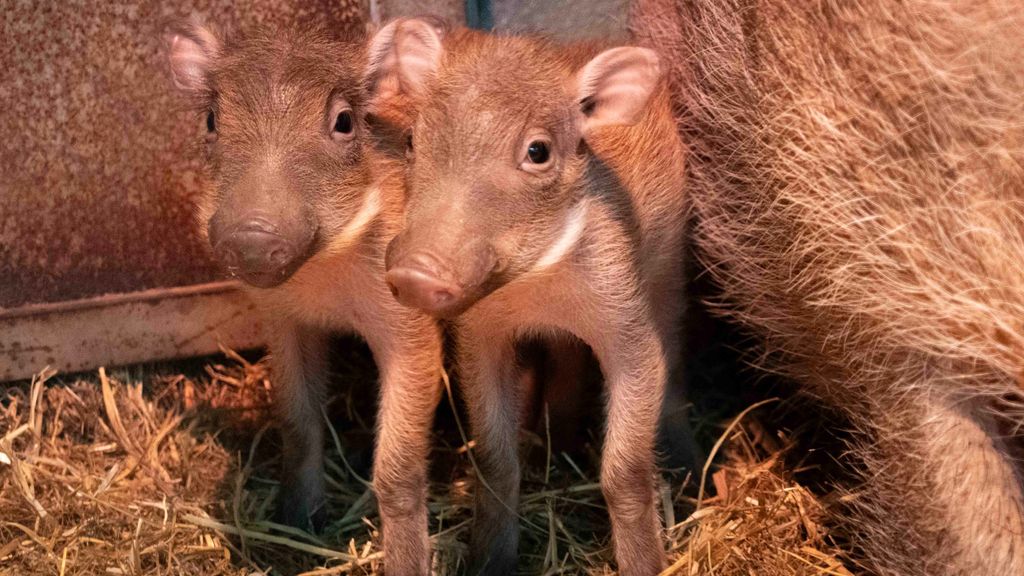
(614, 87)
(403, 57)
(190, 53)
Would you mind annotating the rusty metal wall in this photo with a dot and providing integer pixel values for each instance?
(98, 166)
(453, 11)
(565, 19)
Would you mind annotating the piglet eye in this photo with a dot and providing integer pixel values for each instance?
(538, 152)
(340, 121)
(408, 145)
(343, 122)
(211, 127)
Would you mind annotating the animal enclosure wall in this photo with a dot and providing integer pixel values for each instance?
(99, 170)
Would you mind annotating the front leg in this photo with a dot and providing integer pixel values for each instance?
(635, 369)
(299, 367)
(630, 345)
(489, 373)
(409, 360)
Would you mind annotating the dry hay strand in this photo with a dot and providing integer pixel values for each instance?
(96, 480)
(760, 520)
(175, 475)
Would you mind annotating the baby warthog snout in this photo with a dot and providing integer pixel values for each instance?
(419, 281)
(442, 286)
(258, 250)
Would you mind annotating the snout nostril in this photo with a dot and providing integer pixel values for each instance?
(228, 257)
(260, 258)
(422, 289)
(278, 258)
(442, 298)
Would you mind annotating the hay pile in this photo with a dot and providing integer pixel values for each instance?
(155, 474)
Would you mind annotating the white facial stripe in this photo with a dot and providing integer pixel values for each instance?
(358, 224)
(575, 222)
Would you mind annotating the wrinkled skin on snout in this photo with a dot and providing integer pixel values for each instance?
(257, 243)
(284, 150)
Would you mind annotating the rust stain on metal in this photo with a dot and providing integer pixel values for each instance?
(99, 167)
(149, 325)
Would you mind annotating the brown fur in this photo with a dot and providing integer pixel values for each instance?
(271, 93)
(858, 179)
(617, 286)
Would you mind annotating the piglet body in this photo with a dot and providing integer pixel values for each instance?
(301, 207)
(545, 201)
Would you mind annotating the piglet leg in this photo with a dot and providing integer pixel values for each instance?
(410, 390)
(299, 367)
(489, 378)
(636, 372)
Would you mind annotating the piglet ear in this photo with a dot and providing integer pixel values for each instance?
(614, 87)
(190, 53)
(403, 57)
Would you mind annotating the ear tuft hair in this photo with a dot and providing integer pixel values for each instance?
(190, 51)
(614, 87)
(404, 55)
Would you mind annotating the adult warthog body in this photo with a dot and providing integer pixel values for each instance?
(858, 179)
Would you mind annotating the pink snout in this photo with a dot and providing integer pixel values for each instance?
(419, 281)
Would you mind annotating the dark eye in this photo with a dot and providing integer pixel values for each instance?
(408, 144)
(343, 123)
(538, 152)
(211, 127)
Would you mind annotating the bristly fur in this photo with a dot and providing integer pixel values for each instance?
(857, 173)
(275, 161)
